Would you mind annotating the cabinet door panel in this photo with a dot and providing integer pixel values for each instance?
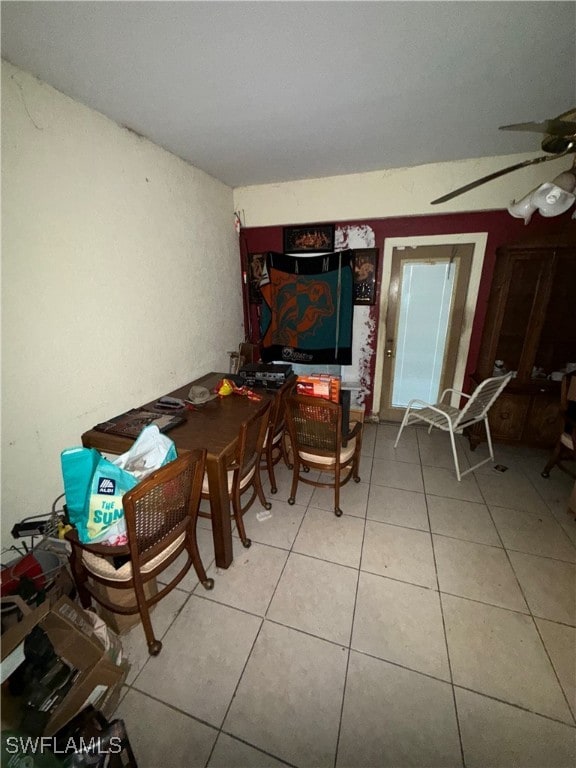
(507, 415)
(544, 421)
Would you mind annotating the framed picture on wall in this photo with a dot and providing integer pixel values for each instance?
(256, 262)
(309, 239)
(365, 265)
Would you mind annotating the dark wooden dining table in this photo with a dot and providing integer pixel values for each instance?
(213, 426)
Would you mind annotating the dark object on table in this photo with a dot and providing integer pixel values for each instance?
(265, 374)
(130, 424)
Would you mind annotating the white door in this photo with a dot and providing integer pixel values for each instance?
(425, 311)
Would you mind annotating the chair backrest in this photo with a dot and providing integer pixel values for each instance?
(163, 505)
(251, 439)
(314, 423)
(278, 407)
(482, 399)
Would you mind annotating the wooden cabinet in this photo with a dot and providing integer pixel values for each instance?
(531, 327)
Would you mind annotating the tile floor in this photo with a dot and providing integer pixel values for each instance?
(433, 624)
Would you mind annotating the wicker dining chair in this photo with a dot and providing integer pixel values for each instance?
(565, 447)
(244, 470)
(161, 513)
(315, 430)
(274, 441)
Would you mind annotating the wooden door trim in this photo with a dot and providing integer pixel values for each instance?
(478, 240)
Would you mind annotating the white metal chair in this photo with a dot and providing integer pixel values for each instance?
(453, 420)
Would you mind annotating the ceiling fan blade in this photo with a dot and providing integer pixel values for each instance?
(552, 127)
(497, 174)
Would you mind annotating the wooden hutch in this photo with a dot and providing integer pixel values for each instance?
(531, 327)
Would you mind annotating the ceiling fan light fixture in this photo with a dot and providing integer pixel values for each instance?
(523, 209)
(552, 200)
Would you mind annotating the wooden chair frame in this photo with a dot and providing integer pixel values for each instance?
(161, 514)
(566, 444)
(246, 463)
(315, 430)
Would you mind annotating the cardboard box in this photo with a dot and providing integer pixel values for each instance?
(319, 385)
(122, 622)
(75, 640)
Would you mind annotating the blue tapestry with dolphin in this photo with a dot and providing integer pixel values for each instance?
(307, 308)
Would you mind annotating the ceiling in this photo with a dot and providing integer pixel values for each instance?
(258, 92)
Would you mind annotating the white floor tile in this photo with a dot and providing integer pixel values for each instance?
(399, 553)
(203, 656)
(443, 482)
(392, 505)
(231, 753)
(401, 623)
(496, 734)
(560, 642)
(134, 643)
(289, 699)
(397, 474)
(548, 585)
(499, 653)
(394, 718)
(466, 520)
(323, 535)
(316, 597)
(536, 533)
(249, 582)
(477, 571)
(353, 498)
(161, 736)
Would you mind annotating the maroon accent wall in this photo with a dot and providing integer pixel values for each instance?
(499, 225)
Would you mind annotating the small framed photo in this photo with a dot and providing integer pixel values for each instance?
(365, 265)
(309, 239)
(256, 266)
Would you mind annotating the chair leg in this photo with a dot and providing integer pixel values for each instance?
(337, 510)
(237, 509)
(404, 422)
(455, 454)
(295, 477)
(553, 460)
(154, 646)
(270, 466)
(490, 449)
(194, 553)
(259, 490)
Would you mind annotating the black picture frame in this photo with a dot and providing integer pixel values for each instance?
(365, 269)
(309, 238)
(256, 265)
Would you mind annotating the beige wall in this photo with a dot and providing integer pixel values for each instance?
(393, 192)
(120, 280)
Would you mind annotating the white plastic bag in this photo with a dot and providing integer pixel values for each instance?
(150, 451)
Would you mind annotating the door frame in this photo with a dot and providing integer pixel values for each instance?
(478, 240)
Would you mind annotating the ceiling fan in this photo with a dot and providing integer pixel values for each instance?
(559, 140)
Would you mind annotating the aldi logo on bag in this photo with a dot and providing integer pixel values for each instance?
(106, 486)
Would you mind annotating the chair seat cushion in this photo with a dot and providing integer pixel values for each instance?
(276, 439)
(245, 480)
(330, 461)
(100, 566)
(431, 417)
(566, 440)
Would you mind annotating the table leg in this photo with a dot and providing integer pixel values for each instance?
(220, 511)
